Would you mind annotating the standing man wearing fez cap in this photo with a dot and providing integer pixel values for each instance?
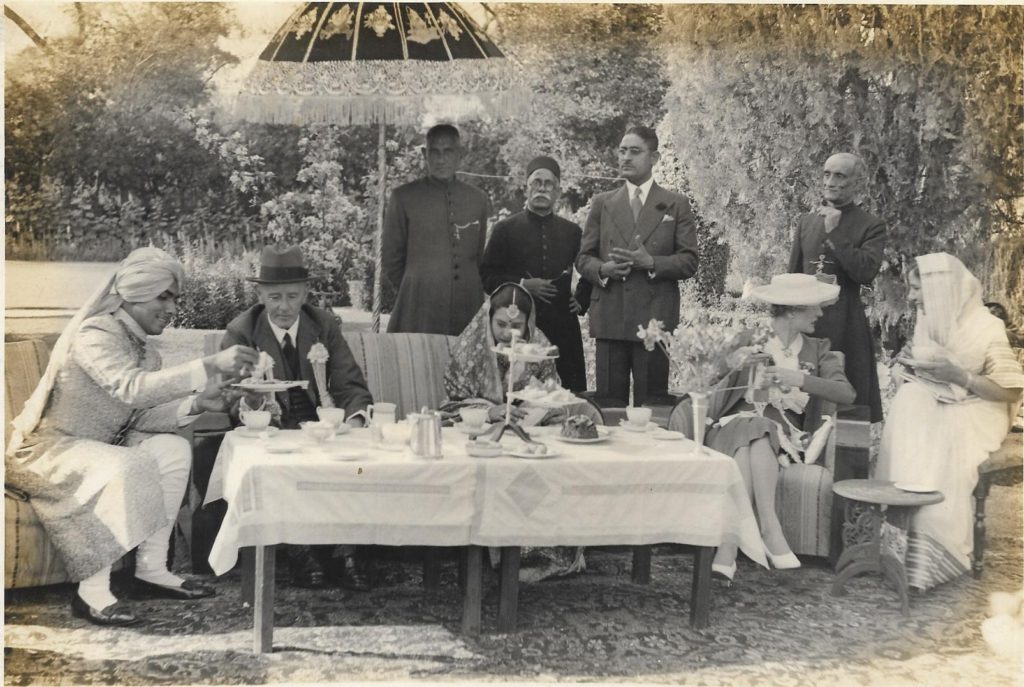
(284, 326)
(434, 234)
(536, 248)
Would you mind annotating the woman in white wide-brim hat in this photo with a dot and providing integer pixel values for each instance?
(801, 373)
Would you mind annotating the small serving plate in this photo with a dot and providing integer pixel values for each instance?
(915, 488)
(630, 427)
(256, 433)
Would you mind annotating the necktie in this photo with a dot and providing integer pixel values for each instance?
(636, 204)
(291, 356)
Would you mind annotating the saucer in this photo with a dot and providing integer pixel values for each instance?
(479, 429)
(256, 433)
(667, 435)
(629, 426)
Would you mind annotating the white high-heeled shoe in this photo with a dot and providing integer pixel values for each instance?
(726, 571)
(783, 561)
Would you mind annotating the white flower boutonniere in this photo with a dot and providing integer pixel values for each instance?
(318, 357)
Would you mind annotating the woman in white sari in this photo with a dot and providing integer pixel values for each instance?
(952, 411)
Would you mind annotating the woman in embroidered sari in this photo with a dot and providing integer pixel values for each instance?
(953, 409)
(478, 377)
(764, 433)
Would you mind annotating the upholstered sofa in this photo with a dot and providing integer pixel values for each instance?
(406, 369)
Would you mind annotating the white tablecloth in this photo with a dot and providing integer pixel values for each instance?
(630, 489)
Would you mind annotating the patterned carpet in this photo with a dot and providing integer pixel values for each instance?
(770, 628)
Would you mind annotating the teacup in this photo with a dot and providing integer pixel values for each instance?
(395, 434)
(335, 416)
(474, 417)
(257, 420)
(317, 431)
(638, 417)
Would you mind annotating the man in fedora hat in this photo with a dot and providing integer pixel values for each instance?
(284, 326)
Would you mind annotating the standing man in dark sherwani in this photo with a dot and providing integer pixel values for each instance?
(536, 248)
(842, 239)
(640, 241)
(434, 234)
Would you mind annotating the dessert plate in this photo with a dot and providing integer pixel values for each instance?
(915, 488)
(539, 456)
(581, 440)
(629, 426)
(256, 433)
(523, 357)
(275, 386)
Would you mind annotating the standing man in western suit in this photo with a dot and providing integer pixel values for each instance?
(640, 241)
(284, 326)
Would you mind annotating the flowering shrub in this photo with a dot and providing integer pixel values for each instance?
(701, 350)
(215, 290)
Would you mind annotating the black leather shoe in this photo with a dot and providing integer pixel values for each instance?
(346, 574)
(112, 615)
(189, 590)
(306, 570)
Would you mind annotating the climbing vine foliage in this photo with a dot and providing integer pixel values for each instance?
(929, 96)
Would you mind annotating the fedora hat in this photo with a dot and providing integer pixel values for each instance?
(281, 266)
(796, 289)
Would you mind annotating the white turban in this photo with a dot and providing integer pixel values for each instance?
(145, 274)
(142, 276)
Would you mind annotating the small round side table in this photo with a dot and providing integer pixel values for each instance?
(877, 517)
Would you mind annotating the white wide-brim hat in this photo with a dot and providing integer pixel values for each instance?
(796, 289)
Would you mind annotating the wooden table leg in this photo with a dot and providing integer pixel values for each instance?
(508, 589)
(642, 564)
(700, 593)
(247, 556)
(471, 595)
(263, 609)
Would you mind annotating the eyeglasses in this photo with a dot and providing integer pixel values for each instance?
(543, 184)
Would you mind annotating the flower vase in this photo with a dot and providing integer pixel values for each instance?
(699, 403)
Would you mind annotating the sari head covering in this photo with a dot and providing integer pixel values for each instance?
(142, 276)
(954, 313)
(474, 371)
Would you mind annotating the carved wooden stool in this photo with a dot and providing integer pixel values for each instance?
(875, 532)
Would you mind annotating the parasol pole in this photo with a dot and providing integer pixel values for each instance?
(378, 238)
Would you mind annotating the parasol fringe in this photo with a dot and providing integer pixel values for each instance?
(363, 110)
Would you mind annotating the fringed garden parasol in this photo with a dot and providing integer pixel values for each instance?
(382, 63)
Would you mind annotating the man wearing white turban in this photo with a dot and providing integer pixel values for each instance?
(94, 448)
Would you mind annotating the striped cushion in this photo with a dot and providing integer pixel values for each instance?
(803, 502)
(24, 362)
(404, 369)
(30, 560)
